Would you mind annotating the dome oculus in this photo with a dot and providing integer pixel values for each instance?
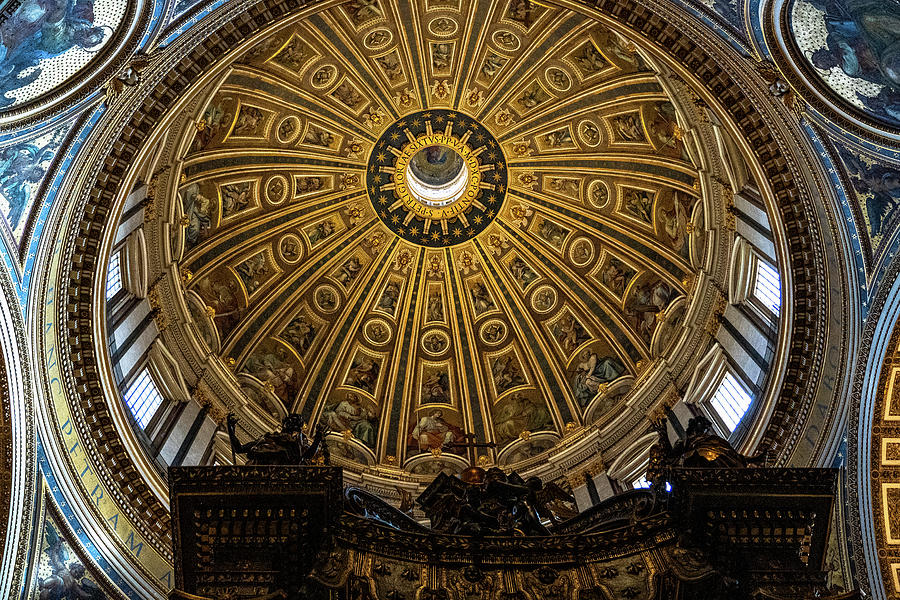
(437, 178)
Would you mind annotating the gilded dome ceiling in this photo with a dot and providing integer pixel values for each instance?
(412, 224)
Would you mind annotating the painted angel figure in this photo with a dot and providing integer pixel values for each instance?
(68, 581)
(21, 168)
(40, 30)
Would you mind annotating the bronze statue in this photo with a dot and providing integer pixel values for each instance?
(290, 446)
(493, 503)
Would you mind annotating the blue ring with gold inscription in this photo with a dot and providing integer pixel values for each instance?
(437, 178)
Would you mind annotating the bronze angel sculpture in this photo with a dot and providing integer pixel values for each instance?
(290, 446)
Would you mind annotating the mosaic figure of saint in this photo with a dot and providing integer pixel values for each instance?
(432, 432)
(363, 373)
(299, 333)
(481, 298)
(436, 388)
(592, 370)
(198, 209)
(350, 414)
(507, 373)
(519, 413)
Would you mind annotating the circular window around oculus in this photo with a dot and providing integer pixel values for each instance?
(437, 178)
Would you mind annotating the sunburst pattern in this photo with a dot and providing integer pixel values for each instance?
(538, 322)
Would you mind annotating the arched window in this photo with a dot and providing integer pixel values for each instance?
(114, 276)
(143, 398)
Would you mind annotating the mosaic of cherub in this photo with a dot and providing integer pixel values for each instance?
(391, 66)
(349, 271)
(507, 372)
(639, 203)
(213, 124)
(363, 373)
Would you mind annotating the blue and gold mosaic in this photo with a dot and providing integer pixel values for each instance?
(437, 178)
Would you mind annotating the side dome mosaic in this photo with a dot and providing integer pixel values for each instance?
(412, 232)
(53, 50)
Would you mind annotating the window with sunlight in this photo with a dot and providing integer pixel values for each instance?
(113, 276)
(767, 288)
(731, 401)
(143, 398)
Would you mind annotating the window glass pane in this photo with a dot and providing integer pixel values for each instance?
(641, 482)
(731, 401)
(143, 398)
(768, 286)
(113, 276)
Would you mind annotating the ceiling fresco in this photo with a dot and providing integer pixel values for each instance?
(555, 327)
(23, 168)
(852, 46)
(874, 183)
(44, 43)
(409, 231)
